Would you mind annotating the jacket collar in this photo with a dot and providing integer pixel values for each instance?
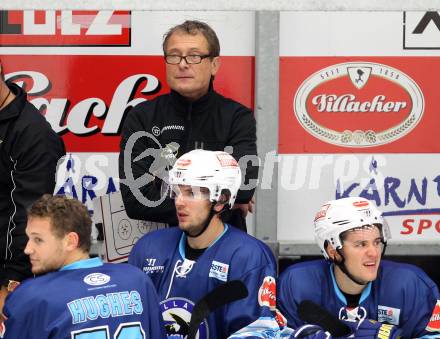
(182, 105)
(13, 109)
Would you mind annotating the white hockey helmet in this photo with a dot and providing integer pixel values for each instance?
(214, 170)
(338, 216)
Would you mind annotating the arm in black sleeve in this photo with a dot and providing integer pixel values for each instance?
(34, 156)
(140, 164)
(243, 139)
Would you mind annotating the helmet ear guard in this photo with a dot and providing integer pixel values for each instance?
(338, 216)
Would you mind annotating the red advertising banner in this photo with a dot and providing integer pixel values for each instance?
(85, 98)
(359, 105)
(65, 28)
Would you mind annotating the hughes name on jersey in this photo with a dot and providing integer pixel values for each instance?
(87, 299)
(181, 282)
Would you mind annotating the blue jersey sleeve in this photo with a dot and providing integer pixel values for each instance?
(30, 322)
(261, 300)
(151, 303)
(424, 316)
(286, 301)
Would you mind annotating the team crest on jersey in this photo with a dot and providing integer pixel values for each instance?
(387, 314)
(219, 271)
(267, 293)
(434, 321)
(176, 314)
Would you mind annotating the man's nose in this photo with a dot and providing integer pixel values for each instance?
(28, 248)
(373, 250)
(183, 63)
(179, 200)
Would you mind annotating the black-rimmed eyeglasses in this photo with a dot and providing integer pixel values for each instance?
(173, 59)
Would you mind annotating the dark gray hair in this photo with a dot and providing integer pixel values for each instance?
(194, 27)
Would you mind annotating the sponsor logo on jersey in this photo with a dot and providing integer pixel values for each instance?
(219, 270)
(434, 321)
(359, 104)
(267, 293)
(176, 314)
(96, 279)
(387, 314)
(151, 267)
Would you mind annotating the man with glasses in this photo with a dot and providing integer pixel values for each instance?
(353, 283)
(192, 116)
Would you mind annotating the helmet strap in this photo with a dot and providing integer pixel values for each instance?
(343, 267)
(206, 224)
(384, 248)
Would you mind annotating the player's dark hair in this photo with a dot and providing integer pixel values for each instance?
(66, 215)
(194, 27)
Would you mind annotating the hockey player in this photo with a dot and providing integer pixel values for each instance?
(76, 296)
(353, 283)
(187, 262)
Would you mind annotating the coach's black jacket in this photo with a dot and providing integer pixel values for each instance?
(29, 151)
(212, 122)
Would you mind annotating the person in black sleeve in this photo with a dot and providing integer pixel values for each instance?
(29, 152)
(192, 116)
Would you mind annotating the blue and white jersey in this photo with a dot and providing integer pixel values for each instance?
(180, 282)
(402, 295)
(87, 299)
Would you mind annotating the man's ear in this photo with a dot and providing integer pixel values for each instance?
(71, 241)
(215, 65)
(331, 252)
(218, 206)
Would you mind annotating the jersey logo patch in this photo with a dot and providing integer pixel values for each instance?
(387, 314)
(219, 271)
(267, 293)
(96, 279)
(176, 314)
(434, 322)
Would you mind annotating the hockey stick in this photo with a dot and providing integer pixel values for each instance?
(312, 313)
(219, 296)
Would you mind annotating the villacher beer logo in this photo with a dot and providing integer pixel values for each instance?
(359, 104)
